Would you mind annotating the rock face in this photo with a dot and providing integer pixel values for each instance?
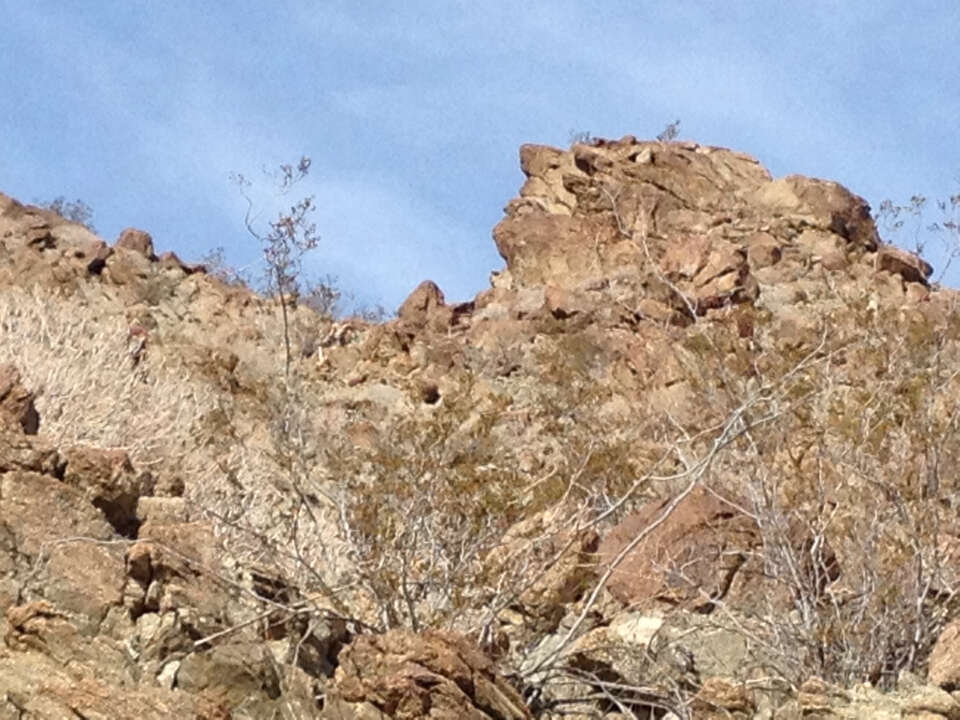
(609, 214)
(691, 558)
(945, 659)
(94, 626)
(433, 675)
(189, 532)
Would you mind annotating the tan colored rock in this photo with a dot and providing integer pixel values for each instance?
(818, 697)
(176, 567)
(97, 254)
(944, 667)
(26, 452)
(233, 673)
(170, 261)
(438, 675)
(564, 562)
(34, 684)
(763, 250)
(161, 510)
(425, 306)
(803, 203)
(109, 480)
(929, 700)
(721, 697)
(564, 304)
(84, 579)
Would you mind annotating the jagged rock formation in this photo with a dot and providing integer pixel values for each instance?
(689, 451)
(434, 675)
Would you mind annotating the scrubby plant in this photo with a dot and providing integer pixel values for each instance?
(76, 211)
(80, 360)
(838, 442)
(284, 241)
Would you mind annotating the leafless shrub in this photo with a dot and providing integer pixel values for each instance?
(284, 241)
(670, 132)
(76, 211)
(411, 525)
(90, 388)
(580, 137)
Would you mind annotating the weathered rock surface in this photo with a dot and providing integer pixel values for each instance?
(654, 295)
(137, 240)
(97, 626)
(945, 659)
(691, 556)
(16, 402)
(432, 675)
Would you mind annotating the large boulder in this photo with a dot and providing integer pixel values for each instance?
(138, 241)
(689, 556)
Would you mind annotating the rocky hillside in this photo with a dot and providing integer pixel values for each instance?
(692, 455)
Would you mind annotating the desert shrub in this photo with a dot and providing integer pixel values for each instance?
(76, 211)
(90, 388)
(837, 438)
(852, 503)
(216, 264)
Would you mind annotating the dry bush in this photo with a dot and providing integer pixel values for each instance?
(79, 358)
(76, 211)
(850, 493)
(839, 441)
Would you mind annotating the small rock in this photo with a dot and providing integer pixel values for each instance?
(907, 265)
(16, 402)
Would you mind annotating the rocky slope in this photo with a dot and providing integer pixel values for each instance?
(691, 455)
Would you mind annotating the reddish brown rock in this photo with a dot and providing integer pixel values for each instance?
(139, 241)
(438, 675)
(425, 307)
(690, 558)
(32, 501)
(109, 480)
(910, 267)
(171, 261)
(16, 402)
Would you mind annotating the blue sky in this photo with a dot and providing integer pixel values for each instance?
(413, 112)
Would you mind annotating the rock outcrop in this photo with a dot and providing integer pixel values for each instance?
(431, 675)
(187, 532)
(105, 588)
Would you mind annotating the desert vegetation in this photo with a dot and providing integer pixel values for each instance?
(682, 460)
